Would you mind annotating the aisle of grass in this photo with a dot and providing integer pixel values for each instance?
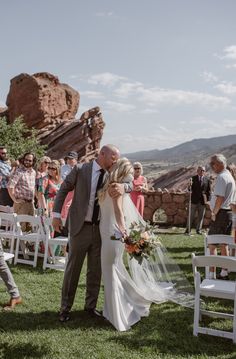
(33, 330)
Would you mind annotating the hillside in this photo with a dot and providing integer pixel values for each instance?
(189, 152)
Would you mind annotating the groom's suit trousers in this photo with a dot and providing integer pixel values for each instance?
(86, 242)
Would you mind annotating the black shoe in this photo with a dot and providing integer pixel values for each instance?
(94, 312)
(225, 277)
(199, 232)
(64, 317)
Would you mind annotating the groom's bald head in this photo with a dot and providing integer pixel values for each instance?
(108, 155)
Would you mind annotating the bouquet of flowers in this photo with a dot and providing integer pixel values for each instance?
(140, 242)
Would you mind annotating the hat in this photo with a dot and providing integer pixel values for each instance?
(72, 154)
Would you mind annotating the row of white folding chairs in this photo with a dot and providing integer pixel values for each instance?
(41, 229)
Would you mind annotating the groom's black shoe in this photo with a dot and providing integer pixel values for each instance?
(94, 312)
(64, 316)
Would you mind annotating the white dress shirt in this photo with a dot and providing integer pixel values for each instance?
(94, 180)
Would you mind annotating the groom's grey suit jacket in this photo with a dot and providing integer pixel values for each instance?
(79, 180)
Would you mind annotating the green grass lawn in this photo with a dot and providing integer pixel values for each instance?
(33, 330)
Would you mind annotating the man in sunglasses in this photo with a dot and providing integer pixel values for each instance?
(5, 170)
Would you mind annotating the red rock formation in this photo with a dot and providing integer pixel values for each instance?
(51, 107)
(42, 100)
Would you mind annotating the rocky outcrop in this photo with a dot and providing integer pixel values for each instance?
(83, 135)
(51, 107)
(42, 100)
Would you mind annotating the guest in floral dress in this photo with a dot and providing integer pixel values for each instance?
(49, 186)
(139, 187)
(47, 191)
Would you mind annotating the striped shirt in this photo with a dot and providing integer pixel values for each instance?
(23, 182)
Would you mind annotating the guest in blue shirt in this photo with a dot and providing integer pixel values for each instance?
(5, 171)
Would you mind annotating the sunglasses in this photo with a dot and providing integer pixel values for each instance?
(46, 163)
(3, 153)
(137, 168)
(52, 168)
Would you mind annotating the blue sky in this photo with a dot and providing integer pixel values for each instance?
(162, 71)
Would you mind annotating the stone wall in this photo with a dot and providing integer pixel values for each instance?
(174, 204)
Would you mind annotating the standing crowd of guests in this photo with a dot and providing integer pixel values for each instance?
(30, 186)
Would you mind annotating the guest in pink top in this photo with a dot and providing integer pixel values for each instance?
(139, 187)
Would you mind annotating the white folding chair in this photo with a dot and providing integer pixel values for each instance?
(8, 230)
(55, 262)
(216, 239)
(36, 235)
(213, 288)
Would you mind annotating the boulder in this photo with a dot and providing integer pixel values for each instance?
(51, 107)
(42, 100)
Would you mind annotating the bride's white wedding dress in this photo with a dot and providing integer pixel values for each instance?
(128, 296)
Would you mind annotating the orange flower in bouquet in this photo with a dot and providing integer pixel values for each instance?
(140, 242)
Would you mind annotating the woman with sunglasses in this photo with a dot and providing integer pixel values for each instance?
(41, 174)
(49, 186)
(139, 187)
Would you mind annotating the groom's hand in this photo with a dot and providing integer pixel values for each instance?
(116, 189)
(57, 224)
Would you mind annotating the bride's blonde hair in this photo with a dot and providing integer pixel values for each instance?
(121, 171)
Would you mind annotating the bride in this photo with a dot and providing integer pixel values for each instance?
(129, 294)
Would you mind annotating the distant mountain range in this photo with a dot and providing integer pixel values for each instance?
(191, 151)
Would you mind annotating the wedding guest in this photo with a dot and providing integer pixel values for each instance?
(21, 186)
(71, 161)
(223, 196)
(5, 171)
(49, 186)
(139, 187)
(42, 172)
(8, 279)
(200, 195)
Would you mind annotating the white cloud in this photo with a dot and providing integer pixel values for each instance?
(92, 94)
(119, 107)
(232, 66)
(104, 14)
(73, 76)
(209, 77)
(105, 79)
(149, 111)
(227, 88)
(159, 96)
(229, 52)
(127, 89)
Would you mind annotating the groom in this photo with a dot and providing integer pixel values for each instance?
(85, 179)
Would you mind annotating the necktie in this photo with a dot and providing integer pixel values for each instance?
(96, 205)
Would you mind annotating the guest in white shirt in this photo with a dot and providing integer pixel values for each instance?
(223, 195)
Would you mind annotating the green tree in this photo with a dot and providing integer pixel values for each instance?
(18, 138)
